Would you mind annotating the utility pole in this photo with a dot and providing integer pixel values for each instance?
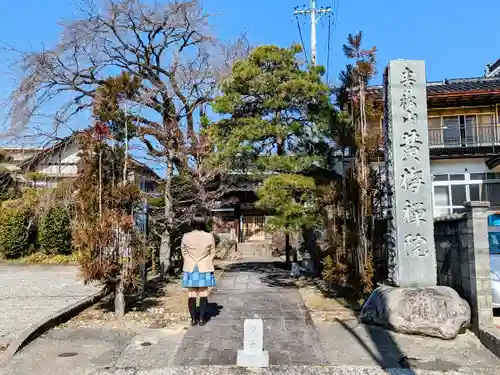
(316, 15)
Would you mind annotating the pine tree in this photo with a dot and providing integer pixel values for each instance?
(273, 109)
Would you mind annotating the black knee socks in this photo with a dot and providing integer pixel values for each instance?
(192, 307)
(203, 308)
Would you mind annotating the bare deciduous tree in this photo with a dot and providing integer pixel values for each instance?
(167, 46)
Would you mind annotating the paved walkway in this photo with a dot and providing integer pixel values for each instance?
(248, 291)
(295, 344)
(28, 293)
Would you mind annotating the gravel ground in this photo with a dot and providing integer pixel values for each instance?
(165, 306)
(30, 292)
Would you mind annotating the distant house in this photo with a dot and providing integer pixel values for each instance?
(16, 155)
(60, 162)
(464, 139)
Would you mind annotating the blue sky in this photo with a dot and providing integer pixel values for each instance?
(454, 37)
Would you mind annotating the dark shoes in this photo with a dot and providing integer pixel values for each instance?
(203, 311)
(195, 322)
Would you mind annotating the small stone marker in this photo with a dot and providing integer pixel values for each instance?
(253, 353)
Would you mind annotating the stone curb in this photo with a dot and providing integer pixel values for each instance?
(284, 370)
(490, 337)
(45, 324)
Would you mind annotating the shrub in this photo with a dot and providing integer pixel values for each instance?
(17, 232)
(54, 231)
(42, 258)
(8, 186)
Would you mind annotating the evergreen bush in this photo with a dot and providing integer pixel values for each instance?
(17, 231)
(54, 231)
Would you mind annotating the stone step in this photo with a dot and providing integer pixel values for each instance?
(254, 249)
(250, 250)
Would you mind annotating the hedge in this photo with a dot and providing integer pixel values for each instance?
(17, 232)
(54, 231)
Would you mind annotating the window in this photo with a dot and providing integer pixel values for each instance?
(451, 191)
(475, 192)
(478, 176)
(441, 196)
(440, 177)
(485, 119)
(485, 129)
(493, 176)
(457, 177)
(463, 130)
(493, 194)
(434, 122)
(435, 131)
(451, 130)
(458, 195)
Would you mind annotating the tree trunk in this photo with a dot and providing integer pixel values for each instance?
(165, 252)
(165, 244)
(123, 245)
(344, 199)
(120, 304)
(100, 182)
(363, 248)
(287, 248)
(280, 150)
(143, 270)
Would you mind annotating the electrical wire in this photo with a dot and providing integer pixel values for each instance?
(328, 50)
(302, 39)
(336, 15)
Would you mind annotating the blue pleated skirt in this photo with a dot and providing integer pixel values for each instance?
(197, 279)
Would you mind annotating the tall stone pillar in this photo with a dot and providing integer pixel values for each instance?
(412, 256)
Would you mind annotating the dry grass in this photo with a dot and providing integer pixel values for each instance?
(326, 309)
(42, 258)
(164, 306)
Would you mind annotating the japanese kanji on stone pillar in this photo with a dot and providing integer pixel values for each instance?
(412, 256)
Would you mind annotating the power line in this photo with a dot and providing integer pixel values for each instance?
(335, 15)
(302, 39)
(315, 15)
(328, 50)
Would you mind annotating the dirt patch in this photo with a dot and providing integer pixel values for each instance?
(164, 306)
(327, 309)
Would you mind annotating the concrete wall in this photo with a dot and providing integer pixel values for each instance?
(463, 263)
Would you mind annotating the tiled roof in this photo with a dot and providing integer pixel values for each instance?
(463, 85)
(450, 86)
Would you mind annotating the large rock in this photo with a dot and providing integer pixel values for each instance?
(432, 311)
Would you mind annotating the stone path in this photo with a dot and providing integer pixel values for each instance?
(254, 290)
(296, 345)
(28, 293)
